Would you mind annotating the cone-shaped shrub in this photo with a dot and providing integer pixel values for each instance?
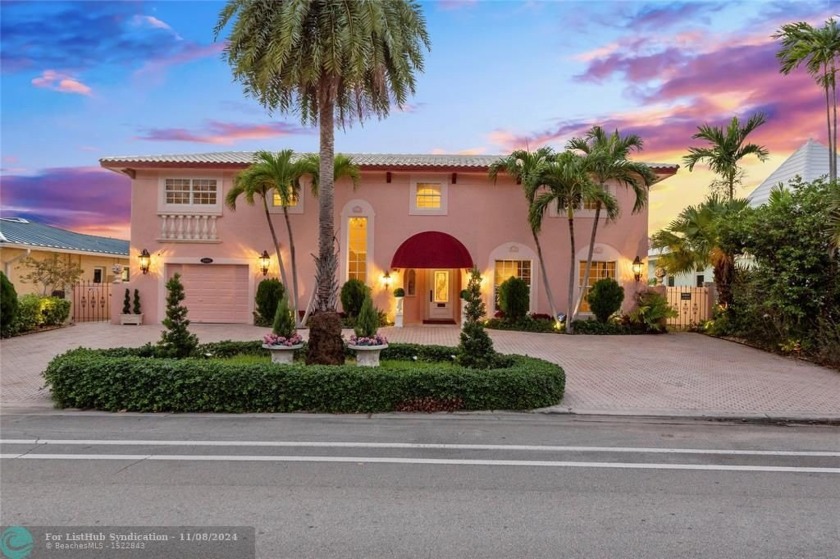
(368, 321)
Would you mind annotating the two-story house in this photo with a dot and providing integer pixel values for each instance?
(415, 221)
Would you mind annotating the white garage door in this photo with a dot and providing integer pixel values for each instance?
(215, 293)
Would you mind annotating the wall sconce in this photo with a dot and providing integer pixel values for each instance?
(145, 261)
(637, 269)
(386, 279)
(265, 261)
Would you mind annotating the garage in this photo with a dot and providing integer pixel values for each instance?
(215, 293)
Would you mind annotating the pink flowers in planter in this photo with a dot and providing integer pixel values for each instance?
(275, 340)
(376, 339)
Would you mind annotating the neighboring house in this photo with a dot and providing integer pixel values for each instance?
(809, 162)
(102, 259)
(415, 221)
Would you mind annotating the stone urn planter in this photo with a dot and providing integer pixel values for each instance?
(282, 354)
(367, 355)
(136, 319)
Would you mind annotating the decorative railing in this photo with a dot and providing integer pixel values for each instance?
(188, 228)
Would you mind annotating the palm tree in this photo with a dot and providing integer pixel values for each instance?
(834, 213)
(333, 62)
(567, 185)
(271, 174)
(817, 48)
(694, 240)
(605, 158)
(524, 166)
(727, 149)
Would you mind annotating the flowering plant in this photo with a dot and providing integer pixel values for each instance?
(274, 339)
(376, 339)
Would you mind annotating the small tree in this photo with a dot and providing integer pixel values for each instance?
(284, 320)
(368, 321)
(514, 298)
(353, 294)
(126, 302)
(176, 340)
(605, 298)
(476, 348)
(8, 304)
(52, 273)
(137, 309)
(269, 294)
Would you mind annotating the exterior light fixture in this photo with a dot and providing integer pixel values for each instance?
(265, 260)
(386, 278)
(637, 268)
(145, 261)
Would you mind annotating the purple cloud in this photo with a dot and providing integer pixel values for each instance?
(215, 132)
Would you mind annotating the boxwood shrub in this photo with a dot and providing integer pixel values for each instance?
(125, 379)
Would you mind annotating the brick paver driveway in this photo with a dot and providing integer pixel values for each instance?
(675, 374)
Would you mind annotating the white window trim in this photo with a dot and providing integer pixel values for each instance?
(298, 209)
(186, 209)
(444, 196)
(514, 251)
(357, 208)
(605, 253)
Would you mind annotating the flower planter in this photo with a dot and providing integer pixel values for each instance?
(282, 354)
(136, 319)
(367, 355)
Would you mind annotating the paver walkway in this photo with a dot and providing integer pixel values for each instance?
(675, 374)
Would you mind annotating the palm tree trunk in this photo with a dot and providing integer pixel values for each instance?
(833, 147)
(571, 214)
(546, 283)
(294, 267)
(832, 157)
(276, 248)
(327, 265)
(587, 270)
(724, 272)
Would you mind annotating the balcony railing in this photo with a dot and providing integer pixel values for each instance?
(184, 228)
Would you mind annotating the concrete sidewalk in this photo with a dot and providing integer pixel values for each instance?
(684, 375)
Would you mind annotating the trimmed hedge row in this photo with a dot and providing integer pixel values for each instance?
(121, 379)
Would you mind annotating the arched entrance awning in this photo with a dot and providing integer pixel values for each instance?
(432, 249)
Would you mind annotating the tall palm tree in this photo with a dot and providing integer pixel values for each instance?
(333, 62)
(566, 186)
(605, 158)
(818, 49)
(834, 213)
(727, 149)
(524, 166)
(694, 240)
(270, 174)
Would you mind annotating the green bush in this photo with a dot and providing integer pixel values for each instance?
(126, 302)
(475, 348)
(269, 293)
(597, 327)
(8, 305)
(54, 311)
(176, 341)
(353, 294)
(137, 309)
(368, 321)
(399, 292)
(652, 311)
(284, 320)
(97, 379)
(29, 314)
(605, 298)
(525, 324)
(514, 298)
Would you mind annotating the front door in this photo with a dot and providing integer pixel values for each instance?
(440, 295)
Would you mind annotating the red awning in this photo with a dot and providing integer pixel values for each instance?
(432, 249)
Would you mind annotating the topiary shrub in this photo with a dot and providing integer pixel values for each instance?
(399, 292)
(605, 298)
(475, 349)
(514, 298)
(8, 305)
(269, 293)
(126, 302)
(353, 294)
(368, 321)
(284, 320)
(176, 341)
(137, 309)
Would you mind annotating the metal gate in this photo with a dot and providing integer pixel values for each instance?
(91, 302)
(694, 305)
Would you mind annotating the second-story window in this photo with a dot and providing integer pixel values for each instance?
(277, 201)
(193, 192)
(428, 197)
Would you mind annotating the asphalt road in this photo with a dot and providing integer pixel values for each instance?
(480, 485)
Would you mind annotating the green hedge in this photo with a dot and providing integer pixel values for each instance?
(526, 324)
(121, 379)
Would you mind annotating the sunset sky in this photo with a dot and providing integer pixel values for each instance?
(84, 80)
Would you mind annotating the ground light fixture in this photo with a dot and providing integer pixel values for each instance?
(145, 261)
(265, 260)
(637, 268)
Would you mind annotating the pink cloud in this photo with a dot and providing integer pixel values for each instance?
(57, 81)
(157, 66)
(216, 132)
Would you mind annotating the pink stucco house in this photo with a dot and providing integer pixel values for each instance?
(415, 221)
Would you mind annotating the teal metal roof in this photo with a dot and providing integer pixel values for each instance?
(21, 232)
